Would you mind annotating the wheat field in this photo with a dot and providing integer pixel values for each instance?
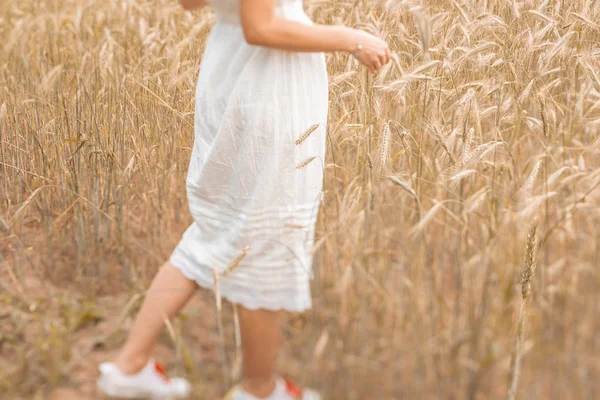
(458, 244)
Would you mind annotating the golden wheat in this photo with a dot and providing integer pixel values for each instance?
(529, 267)
(488, 116)
(306, 134)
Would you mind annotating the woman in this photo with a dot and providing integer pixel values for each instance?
(254, 185)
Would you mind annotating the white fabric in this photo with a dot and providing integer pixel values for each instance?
(243, 184)
(280, 393)
(147, 384)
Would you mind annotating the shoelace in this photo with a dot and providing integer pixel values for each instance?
(160, 370)
(292, 389)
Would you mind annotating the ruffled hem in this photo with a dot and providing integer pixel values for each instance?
(250, 301)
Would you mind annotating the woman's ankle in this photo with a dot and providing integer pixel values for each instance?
(259, 388)
(131, 365)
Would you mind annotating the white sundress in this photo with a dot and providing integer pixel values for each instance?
(256, 171)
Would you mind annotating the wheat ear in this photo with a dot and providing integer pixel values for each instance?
(306, 134)
(526, 286)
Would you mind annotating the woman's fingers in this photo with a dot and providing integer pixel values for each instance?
(388, 55)
(383, 59)
(371, 61)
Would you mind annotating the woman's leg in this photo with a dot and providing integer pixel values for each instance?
(261, 336)
(169, 292)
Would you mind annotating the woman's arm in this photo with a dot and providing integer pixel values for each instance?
(263, 28)
(192, 4)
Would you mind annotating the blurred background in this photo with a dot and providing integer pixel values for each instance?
(458, 248)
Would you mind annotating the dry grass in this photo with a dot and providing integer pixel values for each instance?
(488, 119)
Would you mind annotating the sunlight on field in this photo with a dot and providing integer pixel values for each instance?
(485, 129)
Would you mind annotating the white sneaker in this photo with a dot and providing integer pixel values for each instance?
(150, 383)
(284, 390)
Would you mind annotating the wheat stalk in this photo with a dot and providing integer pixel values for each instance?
(544, 114)
(306, 134)
(385, 147)
(221, 329)
(236, 262)
(408, 189)
(528, 186)
(527, 274)
(305, 162)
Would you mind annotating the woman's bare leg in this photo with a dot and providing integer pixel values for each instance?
(261, 336)
(169, 292)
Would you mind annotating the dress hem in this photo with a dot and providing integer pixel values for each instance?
(248, 302)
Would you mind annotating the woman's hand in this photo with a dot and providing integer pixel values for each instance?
(371, 51)
(263, 27)
(192, 4)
